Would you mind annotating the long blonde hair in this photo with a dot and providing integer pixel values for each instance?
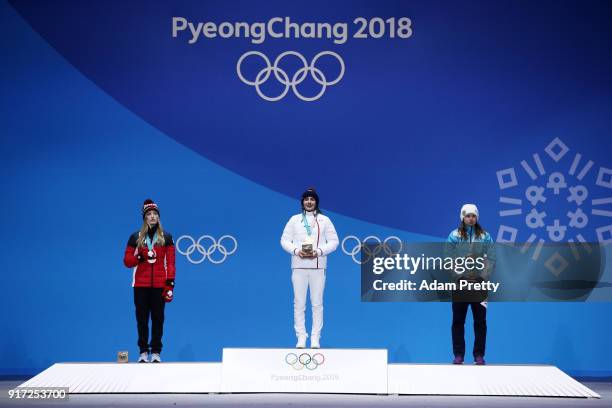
(142, 234)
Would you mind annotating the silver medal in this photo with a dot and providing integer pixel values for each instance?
(151, 257)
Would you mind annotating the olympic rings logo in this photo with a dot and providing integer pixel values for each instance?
(368, 251)
(304, 360)
(206, 252)
(298, 77)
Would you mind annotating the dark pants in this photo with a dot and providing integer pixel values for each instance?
(149, 302)
(479, 313)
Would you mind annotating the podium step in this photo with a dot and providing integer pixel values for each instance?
(113, 378)
(489, 380)
(344, 371)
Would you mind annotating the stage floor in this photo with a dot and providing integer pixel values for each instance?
(313, 400)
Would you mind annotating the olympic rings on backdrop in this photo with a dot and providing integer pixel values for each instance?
(367, 250)
(290, 82)
(206, 252)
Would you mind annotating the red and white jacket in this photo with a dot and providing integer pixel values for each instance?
(151, 275)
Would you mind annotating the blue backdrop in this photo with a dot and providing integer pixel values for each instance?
(102, 107)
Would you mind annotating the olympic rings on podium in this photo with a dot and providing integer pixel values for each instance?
(304, 360)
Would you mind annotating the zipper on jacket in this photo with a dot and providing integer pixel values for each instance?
(318, 235)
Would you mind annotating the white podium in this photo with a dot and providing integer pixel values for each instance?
(347, 371)
(337, 371)
(115, 378)
(490, 380)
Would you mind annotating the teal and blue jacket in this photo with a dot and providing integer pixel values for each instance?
(454, 236)
(477, 246)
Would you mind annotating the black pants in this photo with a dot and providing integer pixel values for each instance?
(149, 302)
(479, 313)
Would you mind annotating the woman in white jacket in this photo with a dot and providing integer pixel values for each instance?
(309, 229)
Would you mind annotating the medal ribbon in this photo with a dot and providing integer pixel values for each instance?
(306, 225)
(148, 241)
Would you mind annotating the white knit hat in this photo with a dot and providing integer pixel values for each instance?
(468, 209)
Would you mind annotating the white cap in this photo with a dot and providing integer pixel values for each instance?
(468, 209)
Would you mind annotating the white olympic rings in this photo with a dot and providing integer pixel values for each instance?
(367, 250)
(298, 77)
(206, 253)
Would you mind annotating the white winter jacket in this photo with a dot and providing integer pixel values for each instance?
(323, 235)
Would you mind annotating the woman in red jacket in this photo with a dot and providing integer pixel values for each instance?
(150, 252)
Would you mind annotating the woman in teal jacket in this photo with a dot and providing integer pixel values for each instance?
(471, 240)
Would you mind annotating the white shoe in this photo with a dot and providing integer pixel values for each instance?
(314, 342)
(301, 342)
(155, 358)
(144, 358)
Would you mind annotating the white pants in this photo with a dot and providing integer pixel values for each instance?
(302, 279)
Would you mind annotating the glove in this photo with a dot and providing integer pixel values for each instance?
(141, 254)
(168, 293)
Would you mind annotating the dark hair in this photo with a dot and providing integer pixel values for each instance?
(479, 231)
(310, 192)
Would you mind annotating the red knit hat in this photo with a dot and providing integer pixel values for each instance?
(149, 205)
